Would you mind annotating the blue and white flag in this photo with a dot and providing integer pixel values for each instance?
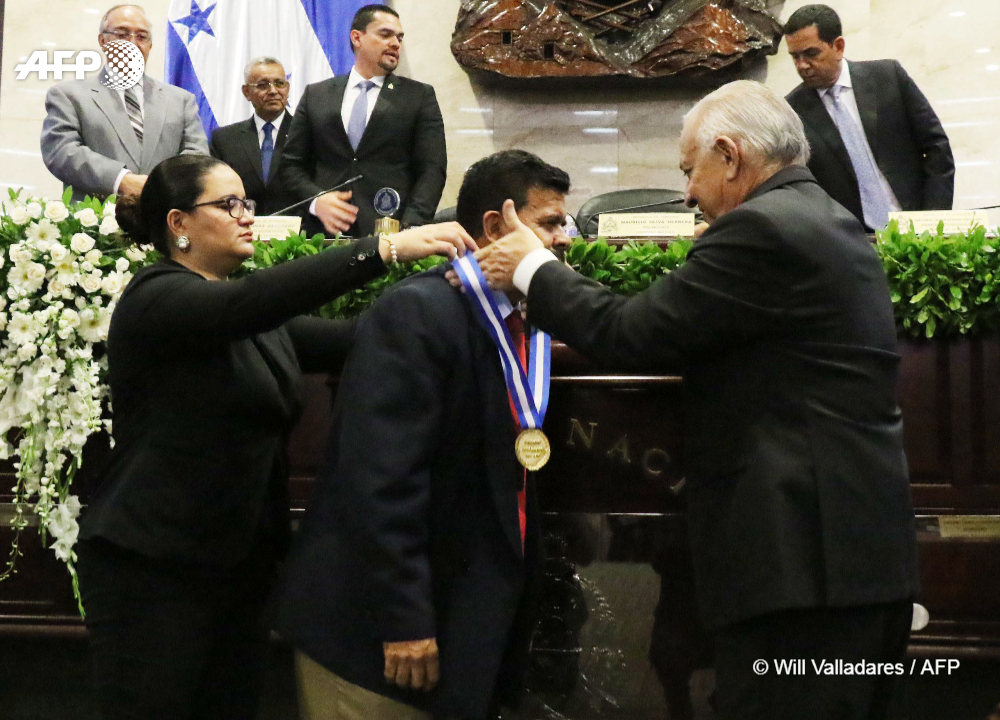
(210, 42)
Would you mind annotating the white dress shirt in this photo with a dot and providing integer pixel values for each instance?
(350, 97)
(851, 103)
(352, 92)
(261, 122)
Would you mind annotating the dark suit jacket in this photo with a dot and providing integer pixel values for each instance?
(905, 135)
(403, 148)
(206, 382)
(782, 325)
(237, 146)
(413, 529)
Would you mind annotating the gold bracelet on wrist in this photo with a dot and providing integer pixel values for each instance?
(392, 247)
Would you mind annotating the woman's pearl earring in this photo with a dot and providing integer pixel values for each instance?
(182, 243)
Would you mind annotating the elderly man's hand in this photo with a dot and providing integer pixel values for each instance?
(412, 663)
(335, 212)
(499, 259)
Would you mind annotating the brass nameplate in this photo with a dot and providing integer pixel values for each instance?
(955, 221)
(976, 527)
(646, 225)
(276, 227)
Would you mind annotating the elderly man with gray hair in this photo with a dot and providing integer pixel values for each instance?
(253, 147)
(780, 321)
(104, 141)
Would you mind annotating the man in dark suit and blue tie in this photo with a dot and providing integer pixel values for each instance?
(253, 147)
(877, 145)
(371, 123)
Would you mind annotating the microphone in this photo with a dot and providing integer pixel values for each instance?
(313, 197)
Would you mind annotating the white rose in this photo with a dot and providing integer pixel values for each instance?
(112, 283)
(81, 242)
(19, 214)
(27, 351)
(34, 210)
(87, 266)
(80, 303)
(91, 283)
(122, 265)
(58, 252)
(56, 286)
(71, 317)
(108, 211)
(109, 226)
(3, 302)
(93, 256)
(56, 211)
(87, 217)
(36, 272)
(135, 254)
(3, 321)
(19, 254)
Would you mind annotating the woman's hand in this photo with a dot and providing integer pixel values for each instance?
(448, 239)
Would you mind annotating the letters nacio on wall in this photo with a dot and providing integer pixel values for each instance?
(592, 38)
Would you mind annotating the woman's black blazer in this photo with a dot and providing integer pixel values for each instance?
(206, 381)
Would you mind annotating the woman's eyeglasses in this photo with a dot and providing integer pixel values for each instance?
(235, 205)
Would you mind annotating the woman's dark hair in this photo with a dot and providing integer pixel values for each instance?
(176, 183)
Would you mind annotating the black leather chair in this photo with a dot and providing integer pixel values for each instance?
(628, 201)
(446, 215)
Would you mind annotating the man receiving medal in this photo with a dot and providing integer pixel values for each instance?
(409, 594)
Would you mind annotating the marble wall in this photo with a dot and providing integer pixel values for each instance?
(607, 135)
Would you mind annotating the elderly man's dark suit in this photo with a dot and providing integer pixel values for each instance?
(781, 323)
(905, 135)
(237, 145)
(403, 148)
(413, 529)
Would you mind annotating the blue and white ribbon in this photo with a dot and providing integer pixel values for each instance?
(530, 394)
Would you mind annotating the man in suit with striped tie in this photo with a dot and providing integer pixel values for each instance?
(102, 141)
(253, 147)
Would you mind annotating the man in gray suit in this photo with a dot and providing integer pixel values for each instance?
(103, 141)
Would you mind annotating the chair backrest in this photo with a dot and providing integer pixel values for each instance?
(629, 201)
(449, 214)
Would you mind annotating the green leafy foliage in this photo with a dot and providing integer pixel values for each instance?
(630, 269)
(941, 285)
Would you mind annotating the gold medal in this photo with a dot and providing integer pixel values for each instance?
(532, 449)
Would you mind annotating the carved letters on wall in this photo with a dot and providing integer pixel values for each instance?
(588, 38)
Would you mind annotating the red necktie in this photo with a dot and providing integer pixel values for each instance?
(516, 327)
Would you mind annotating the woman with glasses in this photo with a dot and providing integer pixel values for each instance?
(179, 543)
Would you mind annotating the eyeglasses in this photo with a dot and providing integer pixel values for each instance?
(122, 34)
(263, 85)
(235, 205)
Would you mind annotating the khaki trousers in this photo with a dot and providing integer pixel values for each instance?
(324, 695)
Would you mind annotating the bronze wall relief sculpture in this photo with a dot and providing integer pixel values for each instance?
(592, 38)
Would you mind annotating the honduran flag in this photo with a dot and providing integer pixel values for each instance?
(210, 42)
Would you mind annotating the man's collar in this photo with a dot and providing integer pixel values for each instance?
(844, 80)
(355, 78)
(259, 122)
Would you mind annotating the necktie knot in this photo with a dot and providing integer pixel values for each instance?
(268, 129)
(835, 92)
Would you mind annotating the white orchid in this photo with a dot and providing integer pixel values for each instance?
(87, 217)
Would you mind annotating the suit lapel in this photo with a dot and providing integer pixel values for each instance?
(153, 113)
(248, 139)
(814, 114)
(337, 89)
(383, 110)
(110, 103)
(866, 96)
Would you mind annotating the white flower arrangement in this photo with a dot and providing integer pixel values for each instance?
(62, 269)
